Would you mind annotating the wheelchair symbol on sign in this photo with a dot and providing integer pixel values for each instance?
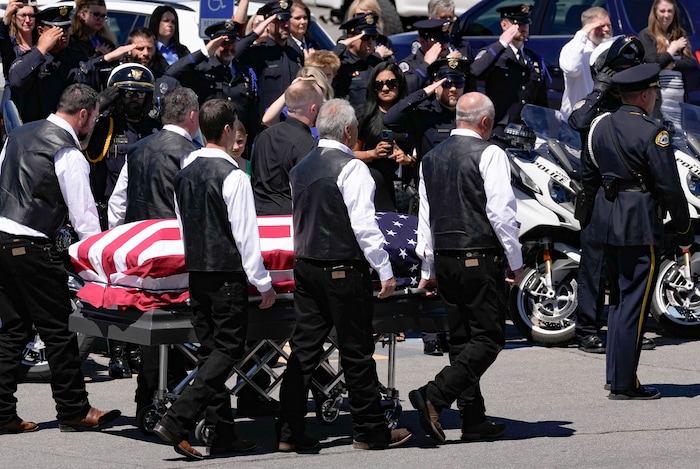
(216, 5)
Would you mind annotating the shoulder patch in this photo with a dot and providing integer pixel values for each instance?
(662, 139)
(579, 105)
(404, 67)
(480, 54)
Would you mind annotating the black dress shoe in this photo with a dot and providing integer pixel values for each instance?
(180, 445)
(301, 442)
(485, 430)
(648, 344)
(432, 347)
(642, 393)
(592, 344)
(428, 416)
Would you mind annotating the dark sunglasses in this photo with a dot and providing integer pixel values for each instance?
(370, 37)
(97, 15)
(392, 84)
(449, 84)
(132, 93)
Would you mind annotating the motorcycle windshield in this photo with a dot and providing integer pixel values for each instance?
(550, 123)
(690, 118)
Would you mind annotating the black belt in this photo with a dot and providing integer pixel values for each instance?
(330, 264)
(470, 253)
(8, 238)
(627, 186)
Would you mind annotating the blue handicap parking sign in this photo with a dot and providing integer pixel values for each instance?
(213, 11)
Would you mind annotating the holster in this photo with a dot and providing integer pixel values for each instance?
(610, 188)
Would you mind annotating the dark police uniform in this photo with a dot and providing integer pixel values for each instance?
(463, 239)
(414, 67)
(625, 220)
(333, 287)
(211, 79)
(275, 65)
(511, 82)
(352, 78)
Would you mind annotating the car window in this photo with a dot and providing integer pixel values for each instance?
(638, 15)
(122, 23)
(486, 21)
(563, 17)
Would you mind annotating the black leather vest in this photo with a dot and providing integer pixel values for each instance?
(152, 163)
(322, 229)
(30, 192)
(209, 244)
(456, 195)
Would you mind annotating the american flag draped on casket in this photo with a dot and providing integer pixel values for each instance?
(142, 264)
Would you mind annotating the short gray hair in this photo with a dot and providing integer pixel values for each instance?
(436, 6)
(335, 115)
(593, 12)
(473, 115)
(177, 105)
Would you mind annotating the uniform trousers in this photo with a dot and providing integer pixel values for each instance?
(633, 271)
(220, 320)
(34, 291)
(591, 274)
(331, 294)
(473, 288)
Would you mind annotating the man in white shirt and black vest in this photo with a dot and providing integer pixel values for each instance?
(336, 241)
(216, 212)
(467, 234)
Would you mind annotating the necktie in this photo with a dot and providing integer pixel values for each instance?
(519, 56)
(227, 73)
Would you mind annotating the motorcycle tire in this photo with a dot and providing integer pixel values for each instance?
(675, 308)
(544, 320)
(38, 371)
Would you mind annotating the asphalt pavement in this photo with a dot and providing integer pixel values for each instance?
(551, 399)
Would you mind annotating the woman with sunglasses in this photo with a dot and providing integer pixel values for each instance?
(166, 26)
(17, 36)
(89, 31)
(388, 158)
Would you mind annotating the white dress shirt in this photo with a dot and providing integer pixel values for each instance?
(116, 207)
(73, 173)
(240, 204)
(357, 189)
(574, 62)
(501, 207)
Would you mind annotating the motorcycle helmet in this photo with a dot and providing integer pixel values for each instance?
(617, 53)
(132, 76)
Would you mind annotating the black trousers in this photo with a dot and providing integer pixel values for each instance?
(34, 291)
(474, 294)
(591, 274)
(633, 271)
(220, 320)
(325, 296)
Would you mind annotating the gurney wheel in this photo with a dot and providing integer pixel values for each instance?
(327, 411)
(203, 433)
(147, 418)
(392, 415)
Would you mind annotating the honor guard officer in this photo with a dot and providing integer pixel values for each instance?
(277, 59)
(428, 115)
(213, 73)
(357, 58)
(514, 75)
(433, 38)
(631, 164)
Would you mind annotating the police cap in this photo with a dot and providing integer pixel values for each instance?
(518, 14)
(54, 16)
(452, 68)
(281, 8)
(435, 29)
(637, 78)
(226, 28)
(366, 22)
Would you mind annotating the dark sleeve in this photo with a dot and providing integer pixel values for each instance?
(486, 59)
(7, 51)
(185, 64)
(25, 69)
(243, 48)
(650, 55)
(401, 113)
(581, 118)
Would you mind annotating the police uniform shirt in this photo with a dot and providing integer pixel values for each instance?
(500, 208)
(73, 173)
(415, 70)
(116, 208)
(238, 197)
(352, 78)
(357, 189)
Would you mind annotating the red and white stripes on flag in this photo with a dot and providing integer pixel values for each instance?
(142, 264)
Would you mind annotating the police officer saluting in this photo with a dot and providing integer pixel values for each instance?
(631, 164)
(514, 74)
(433, 37)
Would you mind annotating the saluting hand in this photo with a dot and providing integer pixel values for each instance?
(214, 44)
(432, 54)
(49, 39)
(430, 89)
(510, 32)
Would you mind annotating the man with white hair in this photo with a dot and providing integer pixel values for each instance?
(575, 56)
(467, 233)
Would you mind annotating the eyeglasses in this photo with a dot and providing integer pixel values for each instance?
(392, 84)
(132, 93)
(449, 84)
(98, 15)
(22, 17)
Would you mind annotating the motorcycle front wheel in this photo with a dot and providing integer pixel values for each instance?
(541, 314)
(676, 305)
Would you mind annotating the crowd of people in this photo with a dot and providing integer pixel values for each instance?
(260, 121)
